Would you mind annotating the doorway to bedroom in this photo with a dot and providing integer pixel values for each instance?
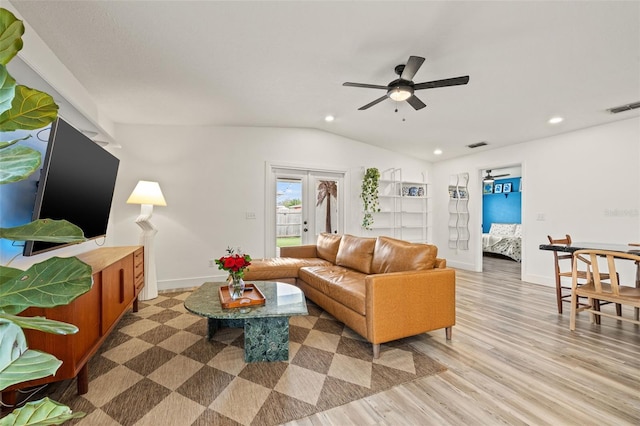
(502, 218)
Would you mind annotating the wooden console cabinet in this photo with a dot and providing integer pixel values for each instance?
(118, 277)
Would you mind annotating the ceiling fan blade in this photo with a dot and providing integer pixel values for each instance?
(413, 65)
(503, 175)
(366, 86)
(455, 81)
(416, 103)
(370, 104)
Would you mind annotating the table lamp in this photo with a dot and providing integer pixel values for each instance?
(147, 194)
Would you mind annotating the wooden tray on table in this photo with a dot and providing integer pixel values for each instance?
(252, 296)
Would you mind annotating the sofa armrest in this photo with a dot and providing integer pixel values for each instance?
(403, 304)
(440, 263)
(300, 252)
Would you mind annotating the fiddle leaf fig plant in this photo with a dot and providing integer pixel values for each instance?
(53, 282)
(369, 195)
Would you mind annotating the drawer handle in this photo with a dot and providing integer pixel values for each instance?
(121, 285)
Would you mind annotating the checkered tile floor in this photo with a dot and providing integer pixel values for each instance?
(157, 368)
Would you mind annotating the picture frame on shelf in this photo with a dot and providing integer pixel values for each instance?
(497, 188)
(506, 187)
(488, 188)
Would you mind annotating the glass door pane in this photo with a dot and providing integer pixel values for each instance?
(326, 214)
(289, 211)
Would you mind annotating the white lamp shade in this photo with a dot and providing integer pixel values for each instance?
(147, 192)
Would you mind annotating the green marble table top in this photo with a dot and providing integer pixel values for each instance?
(281, 300)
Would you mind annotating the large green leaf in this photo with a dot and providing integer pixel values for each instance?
(18, 163)
(43, 412)
(11, 30)
(30, 365)
(42, 324)
(49, 230)
(30, 109)
(56, 281)
(7, 89)
(7, 274)
(12, 142)
(12, 344)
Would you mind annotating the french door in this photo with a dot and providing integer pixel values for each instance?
(304, 203)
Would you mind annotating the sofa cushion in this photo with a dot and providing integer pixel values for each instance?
(279, 267)
(356, 253)
(392, 255)
(343, 285)
(327, 246)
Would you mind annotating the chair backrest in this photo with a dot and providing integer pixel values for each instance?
(557, 257)
(566, 240)
(589, 258)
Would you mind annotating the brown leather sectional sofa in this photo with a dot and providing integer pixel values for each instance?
(382, 288)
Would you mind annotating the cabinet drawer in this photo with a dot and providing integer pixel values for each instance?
(138, 270)
(138, 284)
(138, 257)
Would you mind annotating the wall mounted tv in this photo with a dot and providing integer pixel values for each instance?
(77, 182)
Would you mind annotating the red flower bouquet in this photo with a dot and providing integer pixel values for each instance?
(235, 262)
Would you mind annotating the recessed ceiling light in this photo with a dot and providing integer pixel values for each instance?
(437, 151)
(329, 118)
(556, 120)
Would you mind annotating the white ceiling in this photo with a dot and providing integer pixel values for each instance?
(282, 64)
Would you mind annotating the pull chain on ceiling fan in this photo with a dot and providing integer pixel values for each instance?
(403, 88)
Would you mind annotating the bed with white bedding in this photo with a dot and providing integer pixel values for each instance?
(504, 239)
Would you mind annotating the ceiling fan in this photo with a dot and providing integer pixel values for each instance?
(403, 88)
(489, 178)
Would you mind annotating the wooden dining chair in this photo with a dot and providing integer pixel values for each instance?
(614, 292)
(563, 269)
(637, 310)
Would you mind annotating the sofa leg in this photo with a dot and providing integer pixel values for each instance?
(376, 350)
(447, 332)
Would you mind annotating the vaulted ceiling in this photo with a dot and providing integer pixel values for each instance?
(282, 64)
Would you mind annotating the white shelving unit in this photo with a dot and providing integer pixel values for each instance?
(404, 208)
(459, 211)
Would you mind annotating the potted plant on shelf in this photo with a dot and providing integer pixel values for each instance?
(53, 282)
(369, 196)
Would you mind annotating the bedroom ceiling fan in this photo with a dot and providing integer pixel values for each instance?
(403, 88)
(490, 178)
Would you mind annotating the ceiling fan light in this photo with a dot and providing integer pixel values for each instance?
(399, 94)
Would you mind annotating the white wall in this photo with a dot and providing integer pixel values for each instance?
(211, 176)
(584, 183)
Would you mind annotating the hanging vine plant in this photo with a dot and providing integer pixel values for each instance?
(369, 195)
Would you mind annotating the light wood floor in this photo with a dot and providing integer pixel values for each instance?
(512, 361)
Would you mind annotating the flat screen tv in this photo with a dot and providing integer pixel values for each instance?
(77, 182)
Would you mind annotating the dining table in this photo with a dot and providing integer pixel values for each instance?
(622, 248)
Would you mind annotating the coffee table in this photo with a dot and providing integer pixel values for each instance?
(266, 327)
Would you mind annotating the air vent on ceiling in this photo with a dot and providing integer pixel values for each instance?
(623, 108)
(477, 145)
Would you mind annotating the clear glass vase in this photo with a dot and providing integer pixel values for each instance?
(236, 287)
